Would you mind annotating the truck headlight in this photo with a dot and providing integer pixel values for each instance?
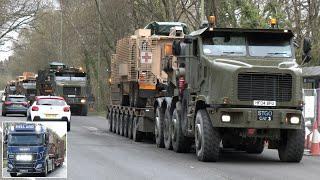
(294, 120)
(83, 101)
(225, 118)
(24, 157)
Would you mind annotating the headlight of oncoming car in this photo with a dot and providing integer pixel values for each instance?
(24, 157)
(83, 100)
(294, 120)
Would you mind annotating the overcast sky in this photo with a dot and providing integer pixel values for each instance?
(5, 49)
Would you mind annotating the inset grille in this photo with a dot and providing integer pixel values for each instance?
(269, 87)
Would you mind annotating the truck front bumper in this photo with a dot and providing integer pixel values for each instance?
(27, 168)
(248, 118)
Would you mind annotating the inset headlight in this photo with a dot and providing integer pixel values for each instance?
(24, 157)
(83, 101)
(225, 118)
(294, 120)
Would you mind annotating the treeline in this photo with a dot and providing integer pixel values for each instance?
(84, 32)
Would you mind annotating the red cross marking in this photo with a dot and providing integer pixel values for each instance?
(146, 57)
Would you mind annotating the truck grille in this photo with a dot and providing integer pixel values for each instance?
(269, 87)
(72, 90)
(24, 165)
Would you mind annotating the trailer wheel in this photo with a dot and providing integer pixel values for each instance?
(167, 129)
(158, 128)
(125, 125)
(180, 143)
(118, 123)
(207, 138)
(13, 174)
(255, 147)
(130, 124)
(291, 146)
(114, 118)
(4, 114)
(121, 124)
(136, 134)
(109, 117)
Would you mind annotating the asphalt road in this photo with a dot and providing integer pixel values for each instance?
(94, 153)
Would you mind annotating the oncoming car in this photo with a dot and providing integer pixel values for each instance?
(50, 108)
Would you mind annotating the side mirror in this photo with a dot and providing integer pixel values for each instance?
(176, 48)
(306, 57)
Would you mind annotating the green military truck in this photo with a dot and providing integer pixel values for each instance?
(228, 88)
(67, 82)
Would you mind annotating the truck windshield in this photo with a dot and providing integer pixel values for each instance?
(25, 139)
(269, 46)
(225, 46)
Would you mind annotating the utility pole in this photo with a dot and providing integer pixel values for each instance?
(61, 28)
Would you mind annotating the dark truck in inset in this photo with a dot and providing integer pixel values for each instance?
(33, 148)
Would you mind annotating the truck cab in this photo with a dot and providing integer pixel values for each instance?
(27, 149)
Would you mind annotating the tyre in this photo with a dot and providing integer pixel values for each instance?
(207, 138)
(125, 125)
(291, 146)
(68, 126)
(255, 147)
(84, 110)
(45, 173)
(118, 123)
(158, 128)
(13, 174)
(110, 116)
(130, 124)
(114, 121)
(121, 124)
(167, 130)
(4, 114)
(136, 134)
(180, 143)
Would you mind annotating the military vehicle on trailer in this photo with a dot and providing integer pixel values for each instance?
(230, 86)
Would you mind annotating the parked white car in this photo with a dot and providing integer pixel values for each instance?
(50, 108)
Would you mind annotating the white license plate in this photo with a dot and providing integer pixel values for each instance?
(23, 170)
(264, 103)
(71, 95)
(51, 116)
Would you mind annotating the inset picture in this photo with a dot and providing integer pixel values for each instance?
(34, 149)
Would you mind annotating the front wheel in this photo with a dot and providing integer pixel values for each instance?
(45, 173)
(207, 138)
(167, 129)
(291, 146)
(68, 126)
(137, 135)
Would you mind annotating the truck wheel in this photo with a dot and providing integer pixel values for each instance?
(180, 143)
(255, 147)
(158, 128)
(125, 125)
(4, 114)
(114, 121)
(136, 134)
(167, 130)
(13, 174)
(130, 124)
(45, 173)
(291, 146)
(110, 116)
(68, 126)
(207, 138)
(118, 123)
(121, 124)
(84, 110)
